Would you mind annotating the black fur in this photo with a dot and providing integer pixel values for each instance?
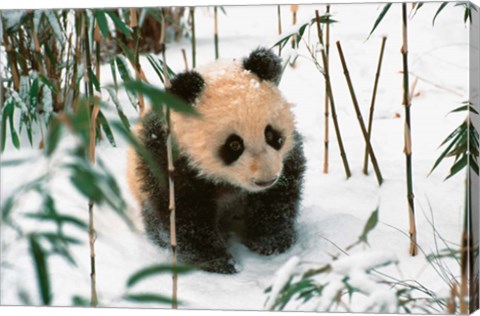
(269, 216)
(265, 64)
(187, 86)
(273, 137)
(228, 154)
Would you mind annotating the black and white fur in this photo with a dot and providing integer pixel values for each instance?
(209, 207)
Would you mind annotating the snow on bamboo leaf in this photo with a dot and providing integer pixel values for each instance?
(282, 277)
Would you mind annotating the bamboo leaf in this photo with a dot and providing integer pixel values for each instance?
(121, 114)
(120, 24)
(156, 270)
(106, 128)
(158, 97)
(440, 9)
(102, 22)
(380, 17)
(148, 298)
(41, 269)
(459, 165)
(93, 79)
(369, 226)
(53, 136)
(114, 73)
(6, 113)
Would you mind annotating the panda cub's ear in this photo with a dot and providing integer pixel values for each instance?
(187, 85)
(265, 64)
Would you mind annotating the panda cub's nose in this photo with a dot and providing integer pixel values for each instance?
(265, 184)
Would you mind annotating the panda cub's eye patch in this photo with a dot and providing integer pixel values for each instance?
(273, 137)
(232, 149)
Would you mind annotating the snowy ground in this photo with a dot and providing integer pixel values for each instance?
(334, 209)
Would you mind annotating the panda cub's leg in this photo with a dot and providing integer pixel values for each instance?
(198, 240)
(271, 214)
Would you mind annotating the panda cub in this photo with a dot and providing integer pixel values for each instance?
(238, 166)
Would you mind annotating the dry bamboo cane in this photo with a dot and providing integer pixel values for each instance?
(93, 115)
(408, 136)
(294, 9)
(359, 115)
(194, 41)
(279, 27)
(326, 139)
(171, 185)
(332, 102)
(372, 103)
(215, 31)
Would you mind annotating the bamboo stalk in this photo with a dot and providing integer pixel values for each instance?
(372, 103)
(215, 31)
(93, 115)
(408, 136)
(294, 9)
(194, 41)
(332, 102)
(139, 75)
(171, 184)
(279, 27)
(359, 115)
(185, 60)
(326, 137)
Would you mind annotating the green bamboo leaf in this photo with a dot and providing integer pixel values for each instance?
(127, 51)
(380, 17)
(114, 73)
(459, 165)
(53, 136)
(13, 132)
(41, 269)
(48, 83)
(93, 79)
(58, 218)
(102, 22)
(159, 97)
(121, 114)
(6, 113)
(55, 238)
(34, 94)
(442, 6)
(106, 128)
(445, 152)
(126, 77)
(119, 24)
(369, 226)
(156, 270)
(156, 67)
(148, 298)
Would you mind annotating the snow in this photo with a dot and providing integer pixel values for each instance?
(282, 276)
(334, 210)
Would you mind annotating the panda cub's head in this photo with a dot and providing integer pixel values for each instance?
(245, 129)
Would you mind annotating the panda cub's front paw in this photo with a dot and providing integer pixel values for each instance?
(223, 265)
(271, 244)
